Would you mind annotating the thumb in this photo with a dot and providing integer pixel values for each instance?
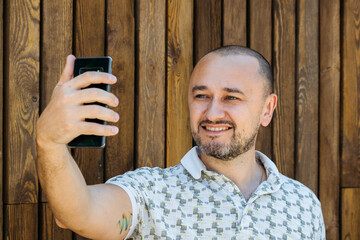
(68, 71)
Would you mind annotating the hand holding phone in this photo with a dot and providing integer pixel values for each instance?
(94, 64)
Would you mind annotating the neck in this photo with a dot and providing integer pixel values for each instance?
(243, 170)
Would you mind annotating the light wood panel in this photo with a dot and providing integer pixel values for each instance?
(21, 82)
(179, 67)
(120, 34)
(329, 107)
(284, 85)
(150, 146)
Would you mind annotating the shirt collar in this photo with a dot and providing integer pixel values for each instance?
(193, 164)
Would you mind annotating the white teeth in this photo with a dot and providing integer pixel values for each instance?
(214, 129)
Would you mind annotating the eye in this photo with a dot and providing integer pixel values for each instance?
(200, 96)
(231, 98)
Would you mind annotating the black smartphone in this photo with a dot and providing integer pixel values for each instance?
(96, 64)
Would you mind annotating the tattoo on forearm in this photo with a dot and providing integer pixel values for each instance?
(124, 222)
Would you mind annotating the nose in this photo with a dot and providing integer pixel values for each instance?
(215, 111)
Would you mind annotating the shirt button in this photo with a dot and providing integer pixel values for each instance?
(231, 189)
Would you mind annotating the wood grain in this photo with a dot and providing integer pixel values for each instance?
(207, 27)
(329, 107)
(150, 147)
(89, 42)
(307, 94)
(179, 67)
(21, 221)
(260, 40)
(234, 22)
(22, 38)
(48, 228)
(119, 152)
(350, 213)
(350, 152)
(1, 119)
(284, 85)
(56, 42)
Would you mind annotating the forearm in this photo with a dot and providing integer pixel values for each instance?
(63, 184)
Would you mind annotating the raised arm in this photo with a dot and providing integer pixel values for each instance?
(96, 212)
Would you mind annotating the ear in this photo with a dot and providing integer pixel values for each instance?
(269, 107)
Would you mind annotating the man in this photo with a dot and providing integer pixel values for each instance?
(223, 189)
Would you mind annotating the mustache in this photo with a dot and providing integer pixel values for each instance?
(217, 122)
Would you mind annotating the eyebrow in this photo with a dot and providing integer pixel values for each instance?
(230, 90)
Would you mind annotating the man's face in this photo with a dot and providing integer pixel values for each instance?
(226, 102)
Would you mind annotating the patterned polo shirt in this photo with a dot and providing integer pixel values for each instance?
(189, 202)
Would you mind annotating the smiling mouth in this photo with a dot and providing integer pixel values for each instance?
(216, 129)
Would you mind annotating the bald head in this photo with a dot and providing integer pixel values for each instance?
(264, 68)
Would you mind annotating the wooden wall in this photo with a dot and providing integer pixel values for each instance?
(314, 49)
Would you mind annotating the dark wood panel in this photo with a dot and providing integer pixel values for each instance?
(350, 152)
(119, 152)
(22, 38)
(350, 213)
(89, 42)
(307, 94)
(261, 41)
(48, 228)
(284, 85)
(179, 67)
(150, 148)
(234, 22)
(207, 27)
(21, 221)
(1, 119)
(329, 106)
(56, 42)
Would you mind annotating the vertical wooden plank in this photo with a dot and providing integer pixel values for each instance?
(234, 22)
(284, 85)
(260, 40)
(56, 44)
(350, 152)
(22, 38)
(1, 120)
(150, 148)
(21, 221)
(179, 67)
(119, 154)
(89, 42)
(307, 94)
(329, 165)
(350, 213)
(48, 228)
(207, 27)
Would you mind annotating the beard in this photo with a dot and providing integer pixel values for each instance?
(239, 144)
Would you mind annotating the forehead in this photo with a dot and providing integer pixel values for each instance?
(226, 71)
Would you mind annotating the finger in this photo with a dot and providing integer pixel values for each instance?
(90, 95)
(86, 79)
(90, 128)
(98, 112)
(68, 71)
